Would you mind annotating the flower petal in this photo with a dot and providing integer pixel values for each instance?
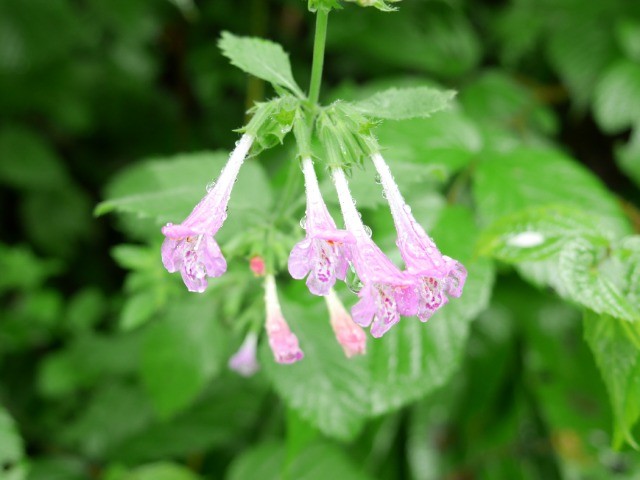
(300, 259)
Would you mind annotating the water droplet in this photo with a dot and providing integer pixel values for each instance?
(384, 194)
(353, 281)
(367, 230)
(378, 179)
(303, 222)
(237, 142)
(210, 186)
(407, 208)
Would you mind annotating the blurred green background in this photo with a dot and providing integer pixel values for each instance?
(110, 370)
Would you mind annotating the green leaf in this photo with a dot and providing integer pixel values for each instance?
(618, 359)
(583, 270)
(261, 58)
(138, 309)
(337, 395)
(168, 189)
(505, 183)
(404, 103)
(536, 233)
(181, 352)
(11, 445)
(628, 155)
(628, 36)
(267, 462)
(617, 97)
(157, 471)
(580, 51)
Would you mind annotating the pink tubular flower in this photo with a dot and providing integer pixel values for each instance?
(437, 274)
(387, 292)
(245, 361)
(283, 343)
(190, 246)
(257, 266)
(349, 335)
(322, 255)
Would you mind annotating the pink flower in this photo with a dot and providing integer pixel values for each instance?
(283, 343)
(387, 292)
(322, 255)
(245, 361)
(257, 266)
(190, 246)
(349, 335)
(437, 274)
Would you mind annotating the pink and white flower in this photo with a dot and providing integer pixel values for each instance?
(322, 256)
(349, 335)
(387, 293)
(437, 274)
(283, 342)
(189, 246)
(245, 360)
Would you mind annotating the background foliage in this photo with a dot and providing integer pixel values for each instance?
(110, 370)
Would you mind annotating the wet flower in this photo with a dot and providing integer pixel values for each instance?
(387, 292)
(190, 247)
(437, 274)
(245, 361)
(322, 255)
(283, 343)
(349, 335)
(257, 266)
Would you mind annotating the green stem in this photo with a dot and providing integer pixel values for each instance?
(318, 55)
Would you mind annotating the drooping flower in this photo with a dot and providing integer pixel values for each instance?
(387, 292)
(283, 343)
(437, 274)
(349, 335)
(257, 266)
(322, 255)
(245, 361)
(189, 246)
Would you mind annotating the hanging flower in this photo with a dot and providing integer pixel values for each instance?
(387, 292)
(322, 255)
(437, 274)
(190, 247)
(245, 360)
(349, 335)
(283, 343)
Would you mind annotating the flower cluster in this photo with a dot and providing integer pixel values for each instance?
(327, 253)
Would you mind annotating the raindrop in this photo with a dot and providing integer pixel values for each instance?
(210, 186)
(407, 208)
(303, 222)
(367, 230)
(384, 194)
(378, 179)
(353, 281)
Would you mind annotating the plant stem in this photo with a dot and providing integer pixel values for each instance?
(318, 55)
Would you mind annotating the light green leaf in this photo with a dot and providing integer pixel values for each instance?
(11, 445)
(617, 97)
(261, 58)
(583, 270)
(404, 103)
(628, 36)
(267, 462)
(505, 183)
(168, 189)
(138, 309)
(536, 233)
(618, 359)
(157, 471)
(180, 354)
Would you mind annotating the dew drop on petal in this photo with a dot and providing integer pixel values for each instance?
(378, 179)
(210, 186)
(367, 230)
(353, 281)
(407, 208)
(303, 222)
(384, 194)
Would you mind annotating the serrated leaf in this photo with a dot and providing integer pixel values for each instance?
(261, 58)
(404, 103)
(582, 272)
(180, 354)
(618, 359)
(168, 189)
(617, 97)
(536, 233)
(505, 183)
